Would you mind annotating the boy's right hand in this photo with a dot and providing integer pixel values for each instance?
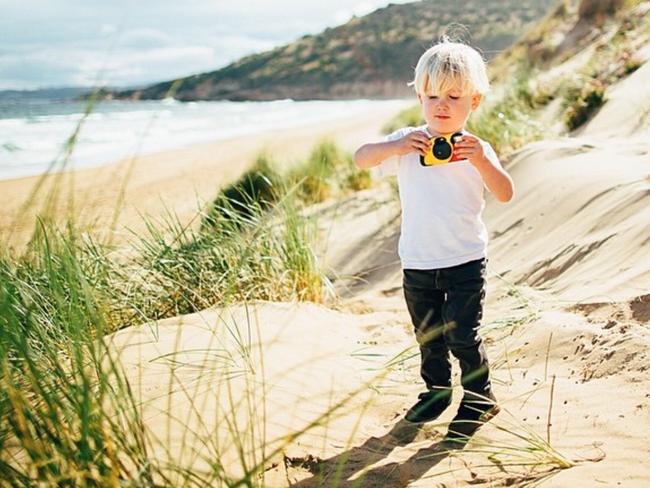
(417, 141)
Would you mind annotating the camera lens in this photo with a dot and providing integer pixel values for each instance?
(441, 148)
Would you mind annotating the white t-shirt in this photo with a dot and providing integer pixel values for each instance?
(441, 209)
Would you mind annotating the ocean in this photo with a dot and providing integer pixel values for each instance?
(34, 133)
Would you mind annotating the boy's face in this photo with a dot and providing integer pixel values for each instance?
(448, 112)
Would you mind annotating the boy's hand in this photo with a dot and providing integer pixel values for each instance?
(469, 147)
(497, 180)
(416, 141)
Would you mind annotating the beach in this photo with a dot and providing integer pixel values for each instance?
(180, 180)
(170, 318)
(565, 324)
(565, 328)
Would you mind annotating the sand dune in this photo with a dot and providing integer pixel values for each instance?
(566, 327)
(566, 322)
(579, 227)
(584, 233)
(628, 108)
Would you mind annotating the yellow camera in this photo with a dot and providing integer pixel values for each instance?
(442, 150)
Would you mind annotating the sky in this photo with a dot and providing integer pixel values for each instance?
(56, 43)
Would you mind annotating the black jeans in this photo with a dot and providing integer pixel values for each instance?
(446, 306)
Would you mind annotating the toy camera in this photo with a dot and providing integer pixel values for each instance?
(442, 150)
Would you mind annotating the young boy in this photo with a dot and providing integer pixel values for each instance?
(443, 241)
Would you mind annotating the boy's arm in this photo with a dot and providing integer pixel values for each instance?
(372, 154)
(497, 179)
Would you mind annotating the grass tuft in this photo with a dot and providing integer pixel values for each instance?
(583, 100)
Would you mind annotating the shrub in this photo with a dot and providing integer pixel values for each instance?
(258, 186)
(313, 178)
(358, 180)
(595, 11)
(584, 102)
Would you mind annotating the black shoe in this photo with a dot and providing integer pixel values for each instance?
(471, 415)
(429, 406)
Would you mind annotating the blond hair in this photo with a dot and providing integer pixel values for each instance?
(450, 65)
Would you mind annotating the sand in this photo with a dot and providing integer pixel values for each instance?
(178, 181)
(566, 371)
(566, 328)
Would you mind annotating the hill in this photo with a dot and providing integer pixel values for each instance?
(63, 93)
(368, 57)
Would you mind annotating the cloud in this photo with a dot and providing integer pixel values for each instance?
(88, 67)
(27, 72)
(133, 43)
(108, 29)
(158, 64)
(145, 38)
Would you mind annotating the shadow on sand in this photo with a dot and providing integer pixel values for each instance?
(337, 470)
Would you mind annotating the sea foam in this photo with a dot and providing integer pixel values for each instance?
(34, 136)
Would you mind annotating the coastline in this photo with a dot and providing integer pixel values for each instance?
(176, 180)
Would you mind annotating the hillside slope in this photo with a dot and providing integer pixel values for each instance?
(368, 57)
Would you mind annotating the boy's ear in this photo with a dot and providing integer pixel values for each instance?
(476, 100)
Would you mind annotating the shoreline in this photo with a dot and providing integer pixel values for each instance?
(176, 180)
(116, 130)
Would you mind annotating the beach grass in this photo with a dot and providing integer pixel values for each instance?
(68, 413)
(325, 173)
(409, 117)
(509, 121)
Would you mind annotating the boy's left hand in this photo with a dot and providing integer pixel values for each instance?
(496, 179)
(469, 147)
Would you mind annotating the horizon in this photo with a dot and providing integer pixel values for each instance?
(121, 45)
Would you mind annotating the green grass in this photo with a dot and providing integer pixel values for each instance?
(325, 173)
(260, 184)
(68, 415)
(56, 390)
(583, 102)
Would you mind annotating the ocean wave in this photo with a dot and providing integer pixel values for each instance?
(118, 129)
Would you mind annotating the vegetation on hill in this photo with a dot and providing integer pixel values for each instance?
(571, 57)
(555, 78)
(370, 56)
